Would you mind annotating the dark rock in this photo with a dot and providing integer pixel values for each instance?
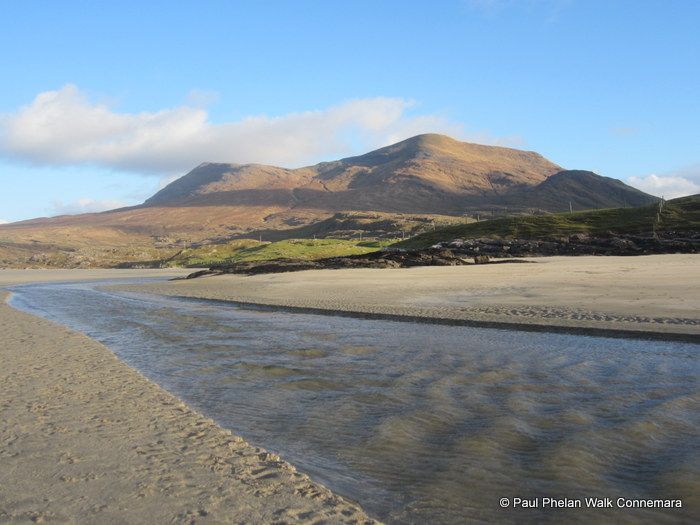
(379, 259)
(582, 244)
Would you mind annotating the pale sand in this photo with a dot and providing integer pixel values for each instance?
(648, 296)
(86, 439)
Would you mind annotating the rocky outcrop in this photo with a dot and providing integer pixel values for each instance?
(477, 251)
(578, 244)
(379, 259)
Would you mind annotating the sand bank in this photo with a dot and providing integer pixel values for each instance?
(12, 277)
(86, 439)
(648, 296)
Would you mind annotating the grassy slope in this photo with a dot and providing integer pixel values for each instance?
(197, 256)
(249, 250)
(681, 214)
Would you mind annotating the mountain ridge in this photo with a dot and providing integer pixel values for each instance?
(398, 188)
(429, 161)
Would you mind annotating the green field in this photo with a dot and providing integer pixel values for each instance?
(250, 250)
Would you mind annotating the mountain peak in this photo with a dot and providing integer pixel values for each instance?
(417, 179)
(420, 174)
(429, 173)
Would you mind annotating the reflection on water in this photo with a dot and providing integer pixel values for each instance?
(423, 423)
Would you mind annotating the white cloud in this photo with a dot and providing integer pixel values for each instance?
(672, 185)
(86, 206)
(3, 221)
(64, 128)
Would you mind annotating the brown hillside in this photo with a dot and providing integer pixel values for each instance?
(424, 174)
(428, 176)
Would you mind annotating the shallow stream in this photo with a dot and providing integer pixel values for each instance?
(422, 423)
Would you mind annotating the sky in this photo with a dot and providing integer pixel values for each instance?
(104, 103)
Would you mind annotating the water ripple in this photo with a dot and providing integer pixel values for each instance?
(422, 423)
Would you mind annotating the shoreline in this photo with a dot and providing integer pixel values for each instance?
(648, 297)
(86, 438)
(585, 331)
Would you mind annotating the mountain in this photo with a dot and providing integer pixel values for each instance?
(424, 179)
(424, 174)
(427, 174)
(583, 189)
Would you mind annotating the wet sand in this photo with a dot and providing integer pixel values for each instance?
(655, 296)
(86, 439)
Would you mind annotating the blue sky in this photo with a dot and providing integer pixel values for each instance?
(102, 103)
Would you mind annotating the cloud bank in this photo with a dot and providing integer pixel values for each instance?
(676, 184)
(65, 128)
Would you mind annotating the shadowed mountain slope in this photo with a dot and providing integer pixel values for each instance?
(583, 190)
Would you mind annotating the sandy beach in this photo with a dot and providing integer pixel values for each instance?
(86, 439)
(647, 296)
